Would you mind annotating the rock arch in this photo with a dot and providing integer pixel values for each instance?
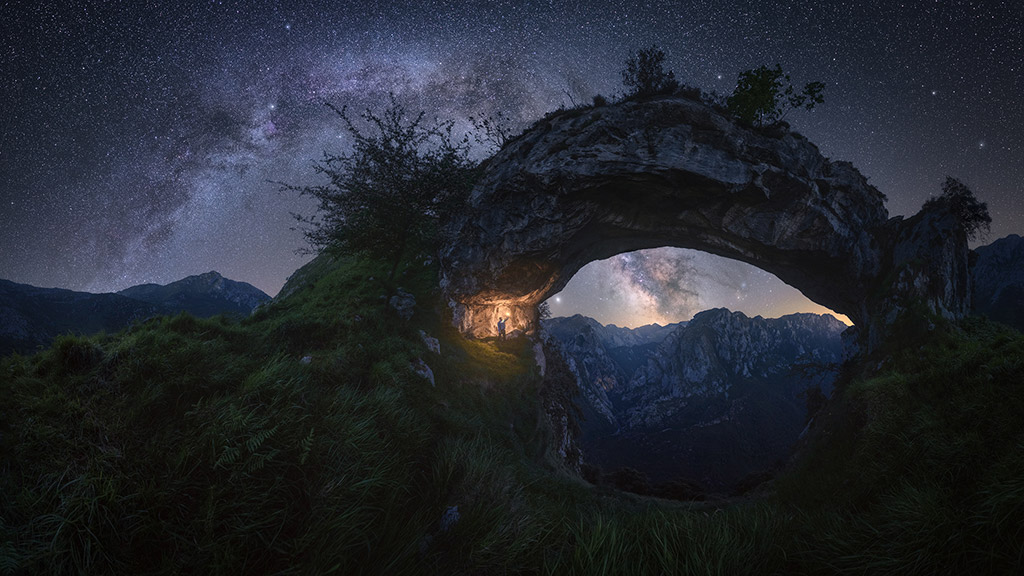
(587, 184)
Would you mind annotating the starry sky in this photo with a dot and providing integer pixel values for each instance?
(139, 139)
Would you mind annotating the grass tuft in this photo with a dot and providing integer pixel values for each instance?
(191, 445)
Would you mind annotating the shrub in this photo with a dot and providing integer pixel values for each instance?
(645, 74)
(76, 354)
(388, 196)
(763, 96)
(959, 200)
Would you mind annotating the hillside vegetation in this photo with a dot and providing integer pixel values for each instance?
(208, 446)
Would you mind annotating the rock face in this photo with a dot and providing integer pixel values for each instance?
(603, 359)
(710, 402)
(583, 185)
(719, 350)
(997, 276)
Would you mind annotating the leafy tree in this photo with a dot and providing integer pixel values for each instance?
(645, 74)
(763, 96)
(387, 196)
(961, 201)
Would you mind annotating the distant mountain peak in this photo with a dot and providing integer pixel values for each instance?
(206, 294)
(657, 398)
(32, 316)
(610, 335)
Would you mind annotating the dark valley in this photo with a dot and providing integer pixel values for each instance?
(711, 402)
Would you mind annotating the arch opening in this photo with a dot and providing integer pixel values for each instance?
(681, 401)
(668, 285)
(586, 184)
(521, 283)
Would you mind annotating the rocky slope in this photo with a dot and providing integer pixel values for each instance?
(603, 359)
(710, 402)
(997, 275)
(31, 317)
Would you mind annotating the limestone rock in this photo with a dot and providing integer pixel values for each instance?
(582, 185)
(557, 392)
(421, 369)
(404, 304)
(430, 342)
(539, 358)
(579, 341)
(666, 171)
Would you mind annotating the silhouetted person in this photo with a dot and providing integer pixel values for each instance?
(501, 328)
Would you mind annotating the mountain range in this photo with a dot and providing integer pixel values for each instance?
(723, 397)
(709, 402)
(31, 317)
(997, 279)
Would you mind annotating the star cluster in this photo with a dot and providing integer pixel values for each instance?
(140, 141)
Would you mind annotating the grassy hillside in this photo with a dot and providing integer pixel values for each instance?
(207, 446)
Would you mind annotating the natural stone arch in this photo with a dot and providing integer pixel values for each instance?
(584, 185)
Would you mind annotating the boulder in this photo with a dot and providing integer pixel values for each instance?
(422, 370)
(403, 303)
(430, 342)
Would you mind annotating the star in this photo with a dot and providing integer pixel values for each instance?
(177, 158)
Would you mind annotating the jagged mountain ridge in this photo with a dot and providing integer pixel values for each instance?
(604, 358)
(31, 317)
(718, 349)
(712, 400)
(611, 336)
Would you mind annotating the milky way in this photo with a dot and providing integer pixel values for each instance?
(139, 141)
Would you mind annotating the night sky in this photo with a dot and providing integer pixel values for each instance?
(138, 139)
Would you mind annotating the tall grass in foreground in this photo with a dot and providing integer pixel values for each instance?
(206, 446)
(653, 540)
